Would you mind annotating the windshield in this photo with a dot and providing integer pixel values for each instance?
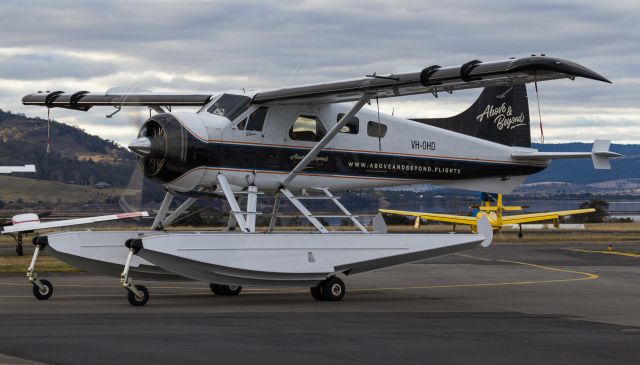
(230, 106)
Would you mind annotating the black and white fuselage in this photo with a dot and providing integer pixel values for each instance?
(372, 151)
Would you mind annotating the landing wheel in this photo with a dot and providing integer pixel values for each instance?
(215, 288)
(316, 292)
(231, 290)
(43, 294)
(228, 290)
(138, 301)
(19, 249)
(333, 289)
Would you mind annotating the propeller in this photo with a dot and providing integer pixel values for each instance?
(132, 202)
(149, 146)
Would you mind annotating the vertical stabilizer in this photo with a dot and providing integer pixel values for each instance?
(500, 114)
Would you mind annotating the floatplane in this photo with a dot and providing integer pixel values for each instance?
(303, 143)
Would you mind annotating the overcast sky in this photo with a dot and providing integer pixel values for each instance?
(208, 46)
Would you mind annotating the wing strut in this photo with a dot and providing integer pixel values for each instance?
(162, 212)
(326, 139)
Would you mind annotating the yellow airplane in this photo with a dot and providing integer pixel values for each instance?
(493, 212)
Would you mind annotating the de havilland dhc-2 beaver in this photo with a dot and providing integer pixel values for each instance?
(301, 143)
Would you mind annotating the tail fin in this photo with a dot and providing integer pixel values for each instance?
(501, 115)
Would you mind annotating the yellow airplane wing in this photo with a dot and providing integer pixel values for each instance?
(459, 219)
(508, 208)
(536, 217)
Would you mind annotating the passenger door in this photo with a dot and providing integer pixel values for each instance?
(250, 129)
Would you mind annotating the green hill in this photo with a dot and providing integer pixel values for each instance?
(75, 155)
(22, 191)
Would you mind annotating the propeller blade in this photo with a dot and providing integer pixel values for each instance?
(133, 202)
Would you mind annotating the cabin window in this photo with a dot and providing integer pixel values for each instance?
(377, 130)
(351, 127)
(255, 121)
(230, 106)
(307, 128)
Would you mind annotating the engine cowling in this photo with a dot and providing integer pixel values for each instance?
(170, 149)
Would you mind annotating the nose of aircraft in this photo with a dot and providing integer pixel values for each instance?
(141, 146)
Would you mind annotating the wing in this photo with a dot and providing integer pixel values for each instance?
(506, 208)
(450, 218)
(36, 224)
(84, 100)
(433, 79)
(536, 217)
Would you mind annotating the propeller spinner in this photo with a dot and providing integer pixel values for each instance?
(150, 147)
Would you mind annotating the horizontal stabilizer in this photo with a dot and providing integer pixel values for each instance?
(600, 155)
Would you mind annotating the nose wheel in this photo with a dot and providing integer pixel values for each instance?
(331, 290)
(44, 291)
(137, 294)
(140, 298)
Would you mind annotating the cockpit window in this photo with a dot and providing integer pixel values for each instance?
(230, 106)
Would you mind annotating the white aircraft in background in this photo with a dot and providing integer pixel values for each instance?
(12, 169)
(30, 222)
(300, 143)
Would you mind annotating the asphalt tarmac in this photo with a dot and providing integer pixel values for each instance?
(522, 304)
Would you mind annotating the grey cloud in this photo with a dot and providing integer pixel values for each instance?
(328, 40)
(33, 66)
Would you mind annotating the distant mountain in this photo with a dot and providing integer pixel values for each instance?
(76, 156)
(581, 171)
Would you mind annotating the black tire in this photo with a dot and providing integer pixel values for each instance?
(19, 250)
(138, 302)
(316, 293)
(215, 288)
(230, 290)
(46, 294)
(333, 289)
